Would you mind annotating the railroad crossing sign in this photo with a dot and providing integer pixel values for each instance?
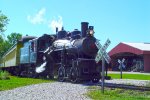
(119, 61)
(102, 51)
(121, 65)
(102, 55)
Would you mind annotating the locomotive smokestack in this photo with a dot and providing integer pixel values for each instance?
(62, 28)
(56, 30)
(84, 28)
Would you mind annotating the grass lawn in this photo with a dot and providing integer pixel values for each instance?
(129, 76)
(118, 94)
(15, 82)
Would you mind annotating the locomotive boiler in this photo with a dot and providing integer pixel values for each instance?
(72, 55)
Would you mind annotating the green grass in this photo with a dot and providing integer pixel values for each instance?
(129, 76)
(15, 82)
(118, 94)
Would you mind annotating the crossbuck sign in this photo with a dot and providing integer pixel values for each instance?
(102, 55)
(102, 51)
(121, 63)
(121, 66)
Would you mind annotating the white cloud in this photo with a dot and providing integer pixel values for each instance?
(37, 18)
(56, 23)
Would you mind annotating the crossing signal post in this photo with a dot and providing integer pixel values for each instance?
(121, 66)
(102, 55)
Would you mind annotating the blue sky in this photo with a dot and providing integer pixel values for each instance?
(118, 20)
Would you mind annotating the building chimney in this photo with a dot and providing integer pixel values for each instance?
(84, 28)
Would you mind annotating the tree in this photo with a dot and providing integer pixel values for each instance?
(5, 45)
(1, 39)
(1, 46)
(13, 38)
(3, 22)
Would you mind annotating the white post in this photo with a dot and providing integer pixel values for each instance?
(121, 69)
(103, 74)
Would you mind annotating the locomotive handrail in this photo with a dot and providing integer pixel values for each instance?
(85, 59)
(42, 51)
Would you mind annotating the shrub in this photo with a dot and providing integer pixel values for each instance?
(4, 75)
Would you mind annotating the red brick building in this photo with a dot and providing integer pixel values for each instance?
(137, 56)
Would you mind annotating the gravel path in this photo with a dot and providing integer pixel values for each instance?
(47, 91)
(59, 90)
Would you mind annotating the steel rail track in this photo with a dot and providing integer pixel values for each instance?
(122, 86)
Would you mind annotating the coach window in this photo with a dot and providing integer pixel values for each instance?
(32, 46)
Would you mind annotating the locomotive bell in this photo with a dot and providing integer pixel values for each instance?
(91, 27)
(76, 34)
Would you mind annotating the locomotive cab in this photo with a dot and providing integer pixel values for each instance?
(32, 53)
(38, 46)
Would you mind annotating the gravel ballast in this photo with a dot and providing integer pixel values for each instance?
(129, 82)
(47, 91)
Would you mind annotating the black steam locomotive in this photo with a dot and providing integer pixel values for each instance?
(72, 55)
(65, 55)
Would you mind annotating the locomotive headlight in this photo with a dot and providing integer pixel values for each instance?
(91, 32)
(44, 58)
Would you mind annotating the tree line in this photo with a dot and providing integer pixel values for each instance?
(6, 43)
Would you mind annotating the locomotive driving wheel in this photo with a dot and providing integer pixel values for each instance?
(74, 75)
(61, 74)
